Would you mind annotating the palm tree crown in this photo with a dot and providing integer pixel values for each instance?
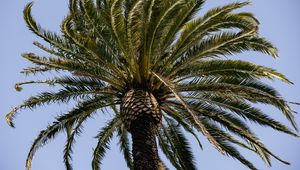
(154, 61)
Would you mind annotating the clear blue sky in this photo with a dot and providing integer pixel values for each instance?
(280, 23)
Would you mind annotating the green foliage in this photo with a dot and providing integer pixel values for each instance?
(179, 149)
(104, 137)
(109, 47)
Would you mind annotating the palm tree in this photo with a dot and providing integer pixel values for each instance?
(163, 74)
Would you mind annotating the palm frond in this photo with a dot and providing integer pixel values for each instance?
(162, 13)
(83, 110)
(225, 43)
(124, 146)
(193, 116)
(71, 133)
(181, 121)
(64, 81)
(49, 37)
(236, 126)
(167, 149)
(196, 29)
(77, 68)
(45, 98)
(229, 149)
(247, 93)
(194, 26)
(88, 45)
(246, 111)
(99, 25)
(230, 68)
(223, 139)
(104, 137)
(179, 145)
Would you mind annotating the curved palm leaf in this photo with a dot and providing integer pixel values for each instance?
(104, 137)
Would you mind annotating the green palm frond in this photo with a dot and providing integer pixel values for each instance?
(104, 137)
(179, 145)
(195, 26)
(195, 30)
(93, 18)
(234, 125)
(177, 21)
(231, 151)
(223, 44)
(42, 138)
(169, 22)
(81, 112)
(244, 110)
(246, 92)
(124, 146)
(224, 139)
(78, 68)
(167, 149)
(180, 120)
(229, 68)
(62, 96)
(72, 132)
(50, 37)
(192, 114)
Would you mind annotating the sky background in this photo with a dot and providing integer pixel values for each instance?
(280, 23)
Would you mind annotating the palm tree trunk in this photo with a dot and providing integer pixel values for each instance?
(141, 116)
(144, 147)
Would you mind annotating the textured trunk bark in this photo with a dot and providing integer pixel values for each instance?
(144, 149)
(141, 116)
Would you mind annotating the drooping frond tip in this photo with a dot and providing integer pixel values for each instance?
(28, 18)
(9, 118)
(11, 115)
(18, 87)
